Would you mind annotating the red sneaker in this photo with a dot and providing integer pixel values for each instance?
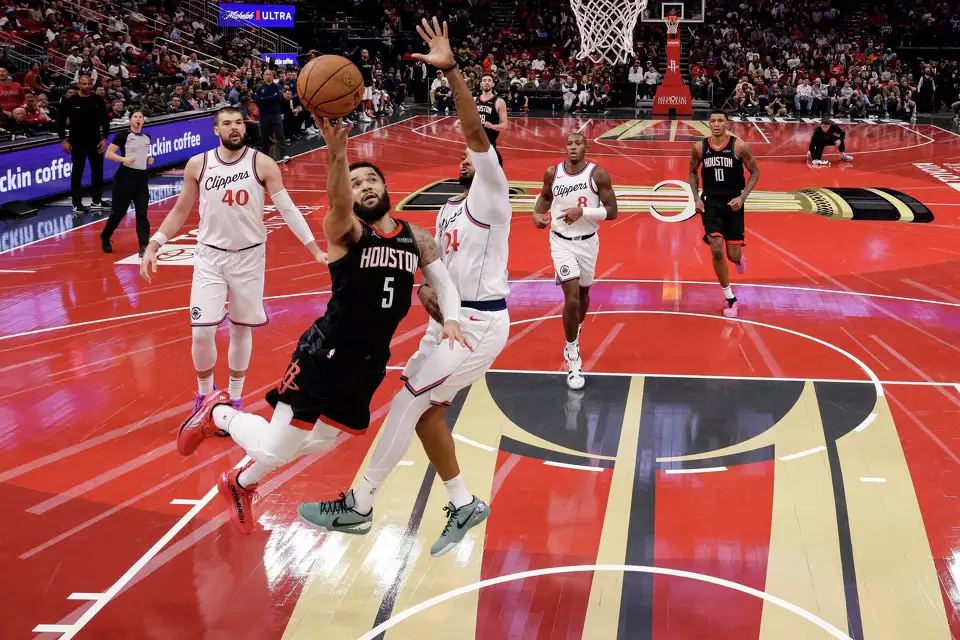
(240, 500)
(200, 426)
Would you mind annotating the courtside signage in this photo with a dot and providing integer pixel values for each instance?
(281, 59)
(41, 172)
(260, 15)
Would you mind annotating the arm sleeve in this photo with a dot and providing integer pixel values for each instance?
(292, 216)
(121, 141)
(489, 199)
(438, 278)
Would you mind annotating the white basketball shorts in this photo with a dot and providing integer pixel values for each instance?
(368, 93)
(219, 276)
(575, 258)
(442, 372)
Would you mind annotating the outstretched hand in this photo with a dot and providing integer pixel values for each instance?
(334, 134)
(437, 38)
(451, 332)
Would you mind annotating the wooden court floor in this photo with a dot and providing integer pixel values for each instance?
(790, 474)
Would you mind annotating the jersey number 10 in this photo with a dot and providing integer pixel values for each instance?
(240, 198)
(718, 175)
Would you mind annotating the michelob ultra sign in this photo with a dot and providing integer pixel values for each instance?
(260, 15)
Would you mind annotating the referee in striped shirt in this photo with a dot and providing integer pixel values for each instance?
(132, 150)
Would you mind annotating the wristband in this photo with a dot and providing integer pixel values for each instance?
(595, 213)
(159, 238)
(449, 69)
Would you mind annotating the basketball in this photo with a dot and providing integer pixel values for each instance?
(330, 86)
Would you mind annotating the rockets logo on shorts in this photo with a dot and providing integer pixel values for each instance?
(287, 381)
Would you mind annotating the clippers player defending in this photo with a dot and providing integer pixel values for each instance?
(723, 157)
(493, 110)
(576, 196)
(472, 233)
(341, 359)
(230, 259)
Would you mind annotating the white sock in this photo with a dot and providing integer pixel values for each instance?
(579, 329)
(253, 474)
(236, 387)
(457, 490)
(364, 494)
(222, 414)
(728, 292)
(205, 385)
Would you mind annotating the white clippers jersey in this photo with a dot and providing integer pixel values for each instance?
(473, 233)
(231, 202)
(569, 191)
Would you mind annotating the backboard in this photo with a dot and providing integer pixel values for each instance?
(687, 10)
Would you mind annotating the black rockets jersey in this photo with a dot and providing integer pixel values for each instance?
(722, 170)
(488, 113)
(372, 289)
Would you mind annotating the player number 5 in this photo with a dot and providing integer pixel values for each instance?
(388, 290)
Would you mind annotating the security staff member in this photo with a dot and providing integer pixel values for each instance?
(269, 98)
(89, 127)
(130, 182)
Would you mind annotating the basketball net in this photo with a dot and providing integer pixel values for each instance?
(606, 28)
(673, 25)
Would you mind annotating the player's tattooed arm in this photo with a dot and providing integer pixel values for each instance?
(441, 57)
(340, 226)
(445, 293)
(541, 212)
(694, 178)
(742, 149)
(606, 193)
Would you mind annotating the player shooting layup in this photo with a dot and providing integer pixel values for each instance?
(578, 195)
(341, 359)
(231, 181)
(721, 206)
(472, 232)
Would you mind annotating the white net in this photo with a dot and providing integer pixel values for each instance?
(673, 25)
(606, 28)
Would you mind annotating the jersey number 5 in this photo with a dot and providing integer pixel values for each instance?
(240, 198)
(451, 243)
(388, 293)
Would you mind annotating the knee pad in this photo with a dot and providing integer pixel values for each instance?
(204, 348)
(241, 346)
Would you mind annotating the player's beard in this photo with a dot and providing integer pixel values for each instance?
(466, 179)
(374, 213)
(232, 146)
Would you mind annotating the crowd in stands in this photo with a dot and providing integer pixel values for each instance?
(773, 57)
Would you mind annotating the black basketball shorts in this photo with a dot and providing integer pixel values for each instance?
(329, 385)
(720, 220)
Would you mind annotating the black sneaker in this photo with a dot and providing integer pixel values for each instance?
(79, 209)
(105, 244)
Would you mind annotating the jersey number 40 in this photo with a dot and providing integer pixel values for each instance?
(231, 197)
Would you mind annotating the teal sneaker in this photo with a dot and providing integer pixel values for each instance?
(337, 515)
(459, 521)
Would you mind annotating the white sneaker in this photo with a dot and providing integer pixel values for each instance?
(846, 157)
(809, 156)
(575, 374)
(363, 118)
(821, 163)
(571, 352)
(285, 160)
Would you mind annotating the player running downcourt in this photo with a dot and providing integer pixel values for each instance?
(341, 359)
(576, 196)
(723, 157)
(230, 259)
(472, 233)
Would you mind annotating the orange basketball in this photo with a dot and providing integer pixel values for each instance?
(330, 86)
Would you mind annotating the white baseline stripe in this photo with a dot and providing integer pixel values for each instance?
(794, 456)
(69, 631)
(183, 501)
(84, 596)
(52, 628)
(405, 463)
(18, 270)
(472, 443)
(580, 467)
(873, 479)
(704, 470)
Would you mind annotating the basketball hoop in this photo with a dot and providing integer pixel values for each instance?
(673, 24)
(606, 28)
